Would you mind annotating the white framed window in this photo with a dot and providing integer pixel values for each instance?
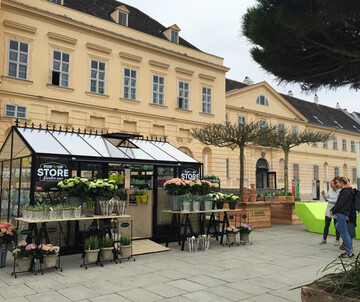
(206, 99)
(281, 127)
(130, 83)
(314, 144)
(262, 124)
(352, 146)
(336, 171)
(158, 90)
(183, 95)
(174, 36)
(226, 118)
(241, 121)
(15, 111)
(325, 144)
(344, 145)
(60, 72)
(296, 171)
(97, 76)
(18, 59)
(294, 130)
(316, 172)
(262, 100)
(122, 18)
(354, 176)
(335, 143)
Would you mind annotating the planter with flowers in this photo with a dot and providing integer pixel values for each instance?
(232, 199)
(231, 232)
(75, 188)
(218, 198)
(50, 254)
(245, 230)
(23, 254)
(176, 187)
(7, 236)
(102, 190)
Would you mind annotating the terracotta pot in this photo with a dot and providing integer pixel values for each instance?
(253, 197)
(252, 191)
(245, 198)
(252, 186)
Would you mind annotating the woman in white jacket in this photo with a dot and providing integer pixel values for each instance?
(331, 198)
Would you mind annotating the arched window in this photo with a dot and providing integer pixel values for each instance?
(186, 150)
(262, 100)
(207, 159)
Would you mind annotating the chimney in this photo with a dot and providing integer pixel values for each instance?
(248, 81)
(290, 93)
(337, 105)
(316, 99)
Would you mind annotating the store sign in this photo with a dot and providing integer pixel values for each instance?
(189, 173)
(52, 172)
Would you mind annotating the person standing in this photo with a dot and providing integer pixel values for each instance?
(331, 197)
(343, 209)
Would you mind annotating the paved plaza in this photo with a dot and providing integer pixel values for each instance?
(282, 257)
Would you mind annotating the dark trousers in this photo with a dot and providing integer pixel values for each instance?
(326, 228)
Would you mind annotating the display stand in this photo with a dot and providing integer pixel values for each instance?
(117, 241)
(30, 270)
(56, 267)
(85, 264)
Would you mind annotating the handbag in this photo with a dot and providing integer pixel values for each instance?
(351, 229)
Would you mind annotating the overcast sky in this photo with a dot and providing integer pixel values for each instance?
(214, 26)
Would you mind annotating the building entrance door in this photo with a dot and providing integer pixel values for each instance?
(262, 169)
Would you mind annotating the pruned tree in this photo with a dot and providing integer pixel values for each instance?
(314, 43)
(232, 135)
(286, 139)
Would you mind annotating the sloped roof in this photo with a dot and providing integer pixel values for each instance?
(316, 114)
(137, 19)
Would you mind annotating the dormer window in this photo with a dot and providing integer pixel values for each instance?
(60, 2)
(172, 33)
(121, 15)
(174, 36)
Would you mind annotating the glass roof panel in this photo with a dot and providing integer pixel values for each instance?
(41, 141)
(104, 147)
(135, 153)
(75, 144)
(175, 152)
(19, 148)
(6, 150)
(150, 148)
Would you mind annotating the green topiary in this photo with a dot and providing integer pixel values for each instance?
(92, 243)
(107, 241)
(125, 240)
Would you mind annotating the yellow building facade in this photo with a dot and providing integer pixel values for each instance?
(113, 68)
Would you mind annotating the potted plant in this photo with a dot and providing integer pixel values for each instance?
(200, 187)
(91, 247)
(89, 208)
(232, 199)
(101, 190)
(218, 198)
(231, 232)
(106, 248)
(66, 211)
(270, 196)
(143, 195)
(76, 211)
(75, 189)
(50, 254)
(289, 197)
(106, 207)
(125, 246)
(136, 193)
(38, 212)
(281, 197)
(23, 254)
(185, 202)
(245, 230)
(207, 201)
(176, 187)
(7, 236)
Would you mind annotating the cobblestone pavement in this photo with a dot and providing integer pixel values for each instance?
(282, 257)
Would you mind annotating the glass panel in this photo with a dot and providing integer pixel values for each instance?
(25, 182)
(23, 47)
(57, 55)
(13, 56)
(12, 69)
(14, 190)
(163, 199)
(19, 148)
(135, 153)
(5, 191)
(176, 153)
(14, 44)
(42, 141)
(154, 151)
(104, 147)
(6, 149)
(75, 144)
(66, 57)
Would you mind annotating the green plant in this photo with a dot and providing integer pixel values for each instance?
(76, 186)
(89, 204)
(23, 250)
(136, 193)
(103, 188)
(107, 241)
(231, 230)
(289, 194)
(245, 228)
(92, 243)
(125, 240)
(283, 194)
(143, 192)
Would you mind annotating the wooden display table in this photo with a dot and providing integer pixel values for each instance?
(284, 213)
(181, 226)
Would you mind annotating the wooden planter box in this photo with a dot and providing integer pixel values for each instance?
(270, 198)
(259, 214)
(314, 293)
(284, 213)
(281, 198)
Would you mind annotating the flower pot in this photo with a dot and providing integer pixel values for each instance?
(253, 197)
(270, 198)
(125, 251)
(244, 237)
(193, 244)
(252, 186)
(281, 198)
(196, 206)
(23, 264)
(219, 205)
(175, 204)
(50, 260)
(289, 198)
(245, 198)
(53, 215)
(252, 191)
(3, 254)
(38, 215)
(89, 212)
(120, 207)
(232, 205)
(97, 204)
(144, 198)
(106, 253)
(204, 243)
(231, 238)
(66, 214)
(186, 206)
(77, 213)
(208, 205)
(75, 200)
(91, 255)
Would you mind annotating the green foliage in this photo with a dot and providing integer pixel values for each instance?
(91, 243)
(76, 186)
(89, 204)
(313, 43)
(125, 240)
(107, 241)
(136, 193)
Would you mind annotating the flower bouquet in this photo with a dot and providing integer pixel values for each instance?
(7, 233)
(49, 253)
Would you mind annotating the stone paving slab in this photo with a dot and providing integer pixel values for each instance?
(282, 257)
